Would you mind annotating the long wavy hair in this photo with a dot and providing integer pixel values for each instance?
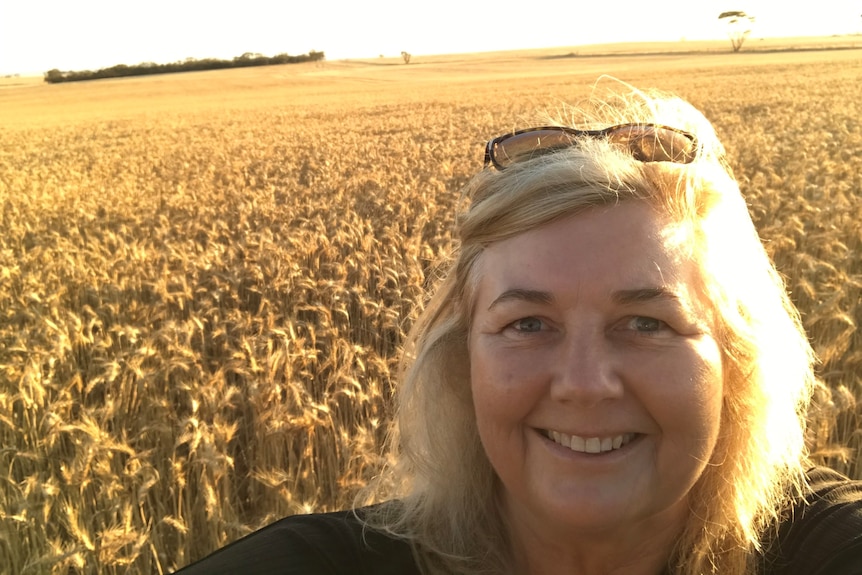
(443, 488)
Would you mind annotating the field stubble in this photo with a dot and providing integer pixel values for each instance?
(202, 309)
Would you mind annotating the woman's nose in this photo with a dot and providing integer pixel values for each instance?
(587, 371)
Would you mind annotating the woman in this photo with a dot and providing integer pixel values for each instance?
(610, 379)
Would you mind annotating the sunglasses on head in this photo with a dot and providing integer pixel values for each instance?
(645, 142)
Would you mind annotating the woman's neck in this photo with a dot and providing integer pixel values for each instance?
(542, 548)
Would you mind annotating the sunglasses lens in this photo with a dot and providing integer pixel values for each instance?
(520, 147)
(655, 143)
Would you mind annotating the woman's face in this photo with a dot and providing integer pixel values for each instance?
(596, 381)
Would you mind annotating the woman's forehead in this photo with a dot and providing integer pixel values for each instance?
(632, 226)
(623, 247)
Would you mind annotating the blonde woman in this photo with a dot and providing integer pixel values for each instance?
(610, 379)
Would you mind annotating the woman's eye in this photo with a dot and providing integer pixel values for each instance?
(527, 325)
(647, 324)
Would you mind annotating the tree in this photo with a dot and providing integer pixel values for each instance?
(739, 27)
(54, 76)
(406, 56)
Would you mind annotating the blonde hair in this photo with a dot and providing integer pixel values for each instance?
(440, 475)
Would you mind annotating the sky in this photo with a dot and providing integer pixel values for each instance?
(40, 35)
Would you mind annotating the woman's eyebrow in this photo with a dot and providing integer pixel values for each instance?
(643, 295)
(527, 295)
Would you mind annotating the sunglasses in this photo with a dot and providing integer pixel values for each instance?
(646, 142)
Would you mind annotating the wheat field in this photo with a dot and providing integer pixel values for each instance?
(205, 279)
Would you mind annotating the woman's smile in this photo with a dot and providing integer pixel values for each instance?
(590, 444)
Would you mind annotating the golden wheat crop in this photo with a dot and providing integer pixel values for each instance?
(201, 308)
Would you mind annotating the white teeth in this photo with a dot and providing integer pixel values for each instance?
(577, 444)
(591, 444)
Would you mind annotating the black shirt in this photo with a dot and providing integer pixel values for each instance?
(318, 544)
(821, 537)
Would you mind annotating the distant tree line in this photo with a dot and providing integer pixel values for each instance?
(187, 65)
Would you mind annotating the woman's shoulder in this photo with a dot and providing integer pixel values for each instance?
(317, 544)
(822, 535)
